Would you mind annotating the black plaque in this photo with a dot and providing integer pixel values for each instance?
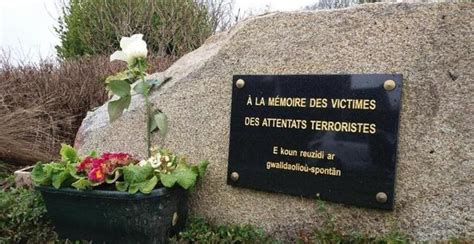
(332, 137)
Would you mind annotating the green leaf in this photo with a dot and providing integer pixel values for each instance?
(68, 154)
(96, 183)
(133, 188)
(148, 186)
(134, 73)
(137, 174)
(116, 107)
(185, 176)
(48, 169)
(140, 64)
(120, 88)
(153, 125)
(124, 75)
(112, 178)
(93, 154)
(82, 184)
(54, 167)
(39, 176)
(142, 87)
(162, 123)
(121, 186)
(71, 168)
(168, 180)
(59, 178)
(202, 167)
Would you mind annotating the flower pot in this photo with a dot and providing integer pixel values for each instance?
(116, 217)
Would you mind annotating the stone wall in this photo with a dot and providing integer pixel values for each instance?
(431, 45)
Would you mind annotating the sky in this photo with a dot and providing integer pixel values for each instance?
(27, 26)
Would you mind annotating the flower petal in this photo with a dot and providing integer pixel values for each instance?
(137, 36)
(136, 50)
(119, 55)
(126, 41)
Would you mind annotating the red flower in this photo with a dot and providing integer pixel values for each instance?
(85, 165)
(97, 162)
(115, 156)
(96, 175)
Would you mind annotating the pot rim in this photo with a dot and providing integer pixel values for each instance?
(158, 192)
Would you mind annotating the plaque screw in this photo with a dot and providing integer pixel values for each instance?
(381, 197)
(389, 85)
(234, 176)
(240, 83)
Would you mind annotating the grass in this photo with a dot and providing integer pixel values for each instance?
(325, 236)
(330, 233)
(199, 231)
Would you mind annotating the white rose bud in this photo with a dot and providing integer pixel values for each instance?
(133, 47)
(155, 162)
(142, 163)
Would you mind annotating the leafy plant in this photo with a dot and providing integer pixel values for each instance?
(118, 169)
(164, 167)
(137, 178)
(199, 231)
(22, 217)
(57, 173)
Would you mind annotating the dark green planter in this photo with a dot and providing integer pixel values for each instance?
(116, 217)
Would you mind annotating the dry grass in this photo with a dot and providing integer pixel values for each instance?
(42, 105)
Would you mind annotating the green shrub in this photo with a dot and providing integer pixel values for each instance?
(170, 27)
(22, 217)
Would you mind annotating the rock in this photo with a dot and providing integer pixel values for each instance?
(23, 177)
(431, 45)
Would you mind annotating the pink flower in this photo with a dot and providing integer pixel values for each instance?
(98, 168)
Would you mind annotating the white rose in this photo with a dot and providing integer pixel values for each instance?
(133, 47)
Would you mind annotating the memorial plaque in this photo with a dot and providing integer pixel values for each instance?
(332, 137)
